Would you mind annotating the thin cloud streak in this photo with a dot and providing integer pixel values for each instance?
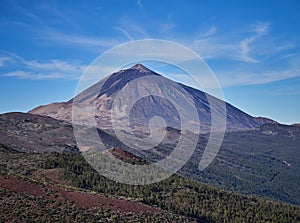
(211, 46)
(123, 31)
(259, 29)
(77, 40)
(230, 79)
(25, 12)
(212, 30)
(36, 70)
(137, 31)
(37, 76)
(169, 25)
(140, 5)
(235, 78)
(3, 60)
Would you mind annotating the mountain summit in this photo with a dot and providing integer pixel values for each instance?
(138, 94)
(140, 67)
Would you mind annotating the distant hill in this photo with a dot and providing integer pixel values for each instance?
(35, 133)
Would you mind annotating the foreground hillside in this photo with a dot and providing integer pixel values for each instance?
(45, 187)
(31, 193)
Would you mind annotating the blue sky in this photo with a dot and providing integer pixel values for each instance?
(253, 47)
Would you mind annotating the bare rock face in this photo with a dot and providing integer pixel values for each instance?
(133, 97)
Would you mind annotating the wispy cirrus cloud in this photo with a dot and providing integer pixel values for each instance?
(236, 47)
(136, 30)
(140, 5)
(210, 45)
(24, 11)
(41, 70)
(259, 30)
(213, 48)
(77, 40)
(211, 31)
(240, 78)
(35, 75)
(233, 46)
(3, 60)
(169, 25)
(124, 32)
(290, 68)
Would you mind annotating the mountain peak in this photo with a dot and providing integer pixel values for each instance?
(140, 67)
(106, 95)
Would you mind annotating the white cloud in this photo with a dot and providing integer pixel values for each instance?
(82, 40)
(136, 30)
(24, 11)
(34, 76)
(237, 78)
(19, 73)
(245, 50)
(169, 25)
(241, 46)
(283, 47)
(212, 30)
(240, 78)
(56, 65)
(214, 48)
(37, 70)
(139, 3)
(150, 49)
(231, 46)
(79, 40)
(3, 60)
(259, 30)
(123, 31)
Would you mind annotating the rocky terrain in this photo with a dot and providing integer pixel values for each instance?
(34, 133)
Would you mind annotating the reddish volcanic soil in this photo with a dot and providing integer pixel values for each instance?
(122, 154)
(20, 186)
(80, 198)
(86, 200)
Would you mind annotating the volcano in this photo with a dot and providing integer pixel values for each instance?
(138, 96)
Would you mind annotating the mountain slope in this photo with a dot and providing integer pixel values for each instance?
(138, 82)
(262, 162)
(62, 187)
